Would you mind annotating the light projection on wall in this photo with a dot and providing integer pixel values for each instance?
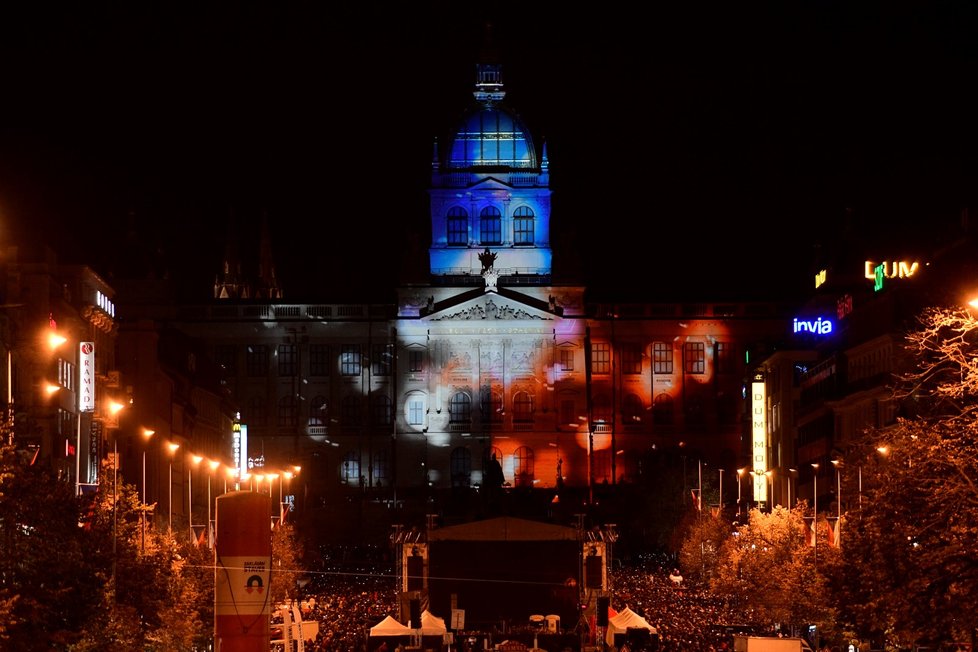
(758, 410)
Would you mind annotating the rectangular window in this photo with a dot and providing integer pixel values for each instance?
(257, 360)
(458, 231)
(724, 356)
(600, 358)
(380, 361)
(567, 359)
(416, 412)
(286, 413)
(662, 358)
(631, 358)
(491, 231)
(695, 357)
(319, 360)
(350, 360)
(523, 231)
(225, 356)
(415, 361)
(287, 360)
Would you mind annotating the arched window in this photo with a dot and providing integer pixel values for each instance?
(350, 469)
(523, 226)
(380, 410)
(461, 462)
(632, 409)
(318, 411)
(523, 467)
(458, 227)
(460, 408)
(287, 417)
(415, 407)
(662, 410)
(522, 407)
(491, 405)
(490, 226)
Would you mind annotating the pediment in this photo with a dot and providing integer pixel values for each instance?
(480, 305)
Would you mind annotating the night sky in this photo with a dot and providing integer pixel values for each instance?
(716, 139)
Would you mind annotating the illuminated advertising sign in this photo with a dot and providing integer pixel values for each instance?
(758, 421)
(818, 326)
(86, 377)
(890, 269)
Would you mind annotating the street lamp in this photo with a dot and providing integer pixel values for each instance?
(147, 433)
(172, 446)
(740, 474)
(213, 464)
(114, 408)
(720, 505)
(838, 498)
(272, 477)
(190, 490)
(792, 474)
(815, 510)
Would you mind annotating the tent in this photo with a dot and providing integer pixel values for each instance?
(622, 622)
(432, 625)
(390, 627)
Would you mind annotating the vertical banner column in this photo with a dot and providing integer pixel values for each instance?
(243, 559)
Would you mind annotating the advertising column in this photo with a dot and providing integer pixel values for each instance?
(243, 558)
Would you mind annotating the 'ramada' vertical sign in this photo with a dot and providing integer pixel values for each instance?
(86, 376)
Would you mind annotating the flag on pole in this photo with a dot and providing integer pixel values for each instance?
(696, 500)
(811, 533)
(202, 539)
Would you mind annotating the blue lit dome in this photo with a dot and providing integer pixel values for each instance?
(491, 137)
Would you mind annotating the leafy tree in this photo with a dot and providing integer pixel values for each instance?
(768, 567)
(911, 563)
(699, 554)
(286, 565)
(49, 583)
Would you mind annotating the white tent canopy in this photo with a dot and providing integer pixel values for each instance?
(390, 627)
(625, 619)
(432, 625)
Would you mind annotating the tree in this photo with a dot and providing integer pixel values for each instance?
(767, 567)
(699, 554)
(286, 566)
(49, 582)
(910, 559)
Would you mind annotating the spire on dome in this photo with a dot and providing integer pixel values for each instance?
(489, 73)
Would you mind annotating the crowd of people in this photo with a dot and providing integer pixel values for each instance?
(351, 592)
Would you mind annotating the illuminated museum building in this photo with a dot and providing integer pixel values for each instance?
(489, 356)
(492, 354)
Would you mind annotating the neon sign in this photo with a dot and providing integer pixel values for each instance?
(820, 326)
(758, 420)
(891, 269)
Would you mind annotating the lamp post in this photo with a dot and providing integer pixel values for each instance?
(815, 510)
(740, 475)
(172, 446)
(190, 490)
(271, 487)
(114, 408)
(792, 474)
(213, 464)
(720, 502)
(147, 433)
(838, 498)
